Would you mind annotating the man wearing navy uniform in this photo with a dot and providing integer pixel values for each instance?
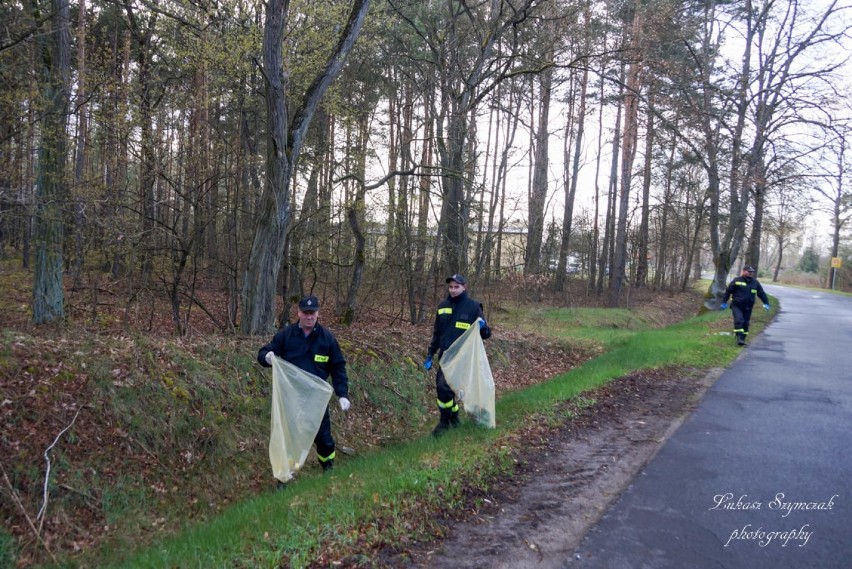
(456, 313)
(314, 349)
(742, 292)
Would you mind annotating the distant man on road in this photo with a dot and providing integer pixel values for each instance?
(742, 292)
(314, 349)
(456, 313)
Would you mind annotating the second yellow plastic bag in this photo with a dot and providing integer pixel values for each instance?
(299, 400)
(466, 369)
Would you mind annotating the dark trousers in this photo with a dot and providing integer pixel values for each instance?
(447, 404)
(324, 440)
(445, 393)
(742, 316)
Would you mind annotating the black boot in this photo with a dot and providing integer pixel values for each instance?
(454, 419)
(443, 424)
(327, 465)
(741, 339)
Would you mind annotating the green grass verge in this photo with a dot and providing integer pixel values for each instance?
(385, 496)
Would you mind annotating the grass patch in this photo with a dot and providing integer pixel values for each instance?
(8, 548)
(395, 494)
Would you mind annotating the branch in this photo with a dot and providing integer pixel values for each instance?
(41, 512)
(379, 183)
(333, 66)
(24, 513)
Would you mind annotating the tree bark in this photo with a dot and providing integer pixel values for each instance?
(571, 190)
(628, 153)
(284, 143)
(641, 278)
(355, 216)
(48, 304)
(81, 153)
(538, 191)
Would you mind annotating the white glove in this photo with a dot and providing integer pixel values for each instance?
(269, 357)
(344, 404)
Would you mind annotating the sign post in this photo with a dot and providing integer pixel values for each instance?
(836, 263)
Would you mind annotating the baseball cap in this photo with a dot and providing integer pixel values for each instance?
(748, 268)
(458, 278)
(309, 302)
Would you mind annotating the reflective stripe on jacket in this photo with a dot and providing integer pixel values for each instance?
(742, 292)
(454, 316)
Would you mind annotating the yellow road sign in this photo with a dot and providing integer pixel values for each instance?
(836, 262)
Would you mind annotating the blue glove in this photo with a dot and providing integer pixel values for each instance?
(766, 307)
(428, 363)
(723, 306)
(481, 323)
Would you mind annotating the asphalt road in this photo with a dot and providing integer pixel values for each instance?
(760, 476)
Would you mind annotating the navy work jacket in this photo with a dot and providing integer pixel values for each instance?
(317, 353)
(455, 315)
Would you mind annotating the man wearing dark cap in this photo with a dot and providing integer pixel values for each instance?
(314, 349)
(742, 291)
(456, 313)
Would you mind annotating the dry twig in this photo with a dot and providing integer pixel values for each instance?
(27, 517)
(41, 512)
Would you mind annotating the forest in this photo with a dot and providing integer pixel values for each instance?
(362, 150)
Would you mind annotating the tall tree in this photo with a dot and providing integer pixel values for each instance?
(628, 149)
(778, 40)
(51, 186)
(284, 143)
(81, 151)
(143, 26)
(572, 176)
(641, 276)
(467, 53)
(541, 165)
(786, 37)
(785, 215)
(836, 189)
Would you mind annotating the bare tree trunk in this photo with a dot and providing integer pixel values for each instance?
(781, 244)
(419, 290)
(725, 247)
(642, 243)
(391, 236)
(571, 190)
(759, 188)
(628, 153)
(606, 254)
(355, 216)
(454, 210)
(663, 241)
(595, 254)
(81, 156)
(310, 233)
(692, 244)
(29, 181)
(489, 162)
(404, 230)
(284, 143)
(494, 240)
(541, 163)
(48, 304)
(142, 36)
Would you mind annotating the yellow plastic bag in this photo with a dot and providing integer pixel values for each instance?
(466, 369)
(299, 401)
